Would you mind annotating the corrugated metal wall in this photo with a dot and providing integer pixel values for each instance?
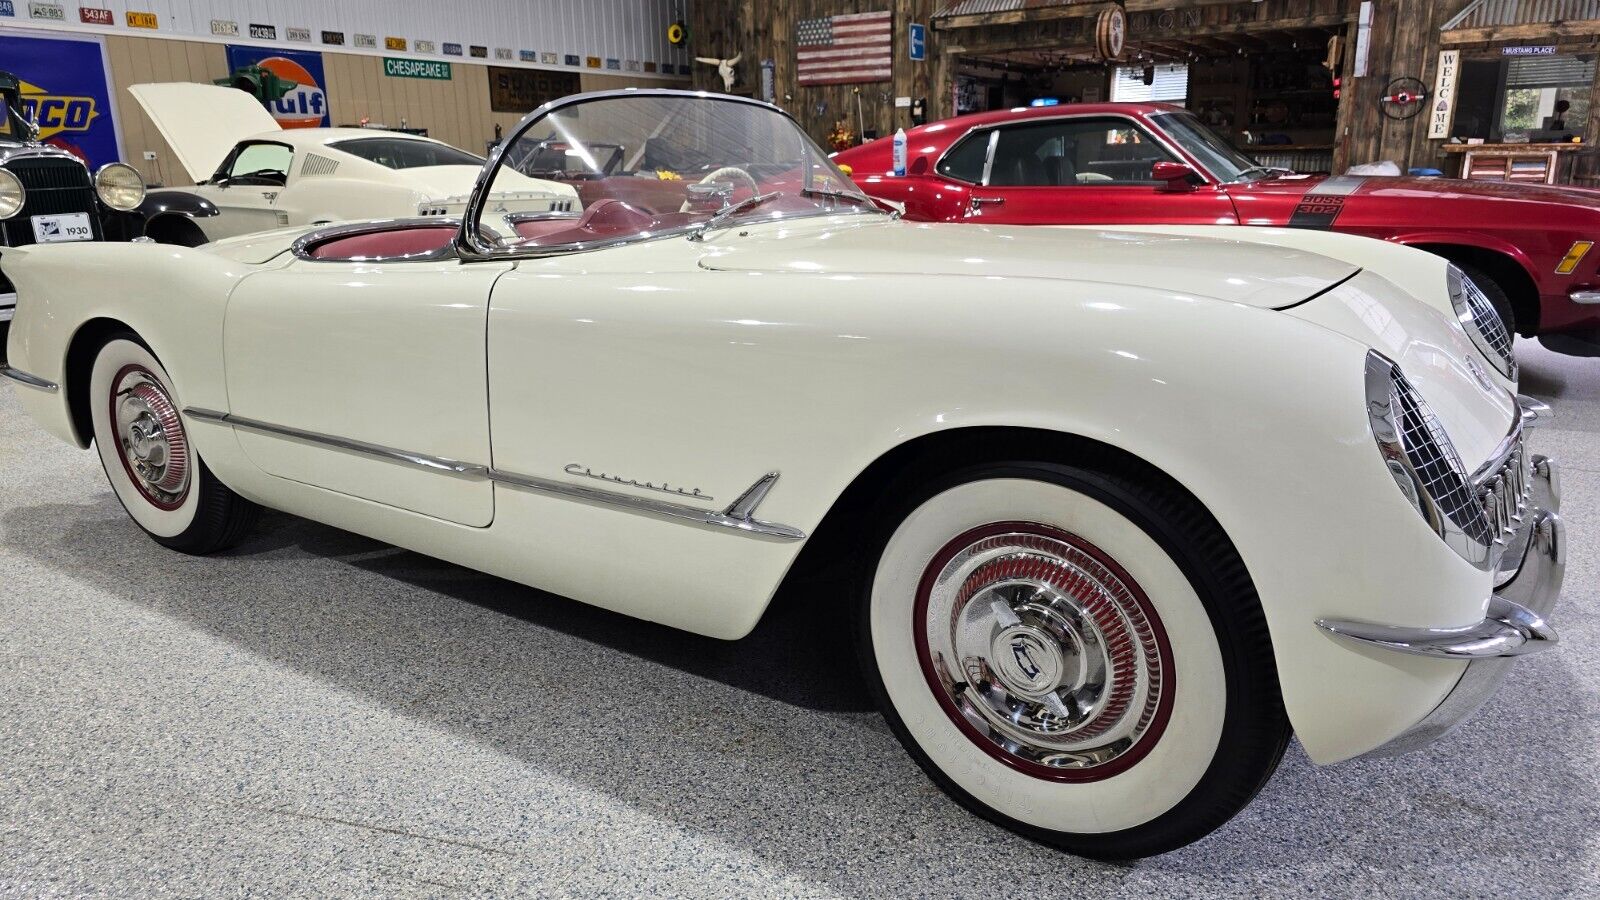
(628, 31)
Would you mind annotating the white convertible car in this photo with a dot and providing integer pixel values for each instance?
(1122, 508)
(252, 175)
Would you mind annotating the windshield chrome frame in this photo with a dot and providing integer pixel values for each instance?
(469, 245)
(1257, 166)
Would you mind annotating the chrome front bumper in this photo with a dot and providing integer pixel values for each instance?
(1514, 624)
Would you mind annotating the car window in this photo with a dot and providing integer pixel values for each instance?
(260, 164)
(1075, 152)
(399, 153)
(965, 160)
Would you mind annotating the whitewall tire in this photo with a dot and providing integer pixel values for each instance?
(1074, 654)
(152, 466)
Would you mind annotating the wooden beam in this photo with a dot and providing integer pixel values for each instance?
(1553, 32)
(1066, 10)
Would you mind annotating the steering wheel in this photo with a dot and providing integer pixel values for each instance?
(718, 174)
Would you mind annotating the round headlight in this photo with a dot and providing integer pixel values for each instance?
(120, 186)
(12, 196)
(1482, 324)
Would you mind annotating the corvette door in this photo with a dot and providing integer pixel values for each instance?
(367, 378)
(1082, 170)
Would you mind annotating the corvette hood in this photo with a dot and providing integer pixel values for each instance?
(1253, 274)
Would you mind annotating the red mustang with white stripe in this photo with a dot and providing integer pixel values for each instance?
(1527, 246)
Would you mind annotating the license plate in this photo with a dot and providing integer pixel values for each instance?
(64, 227)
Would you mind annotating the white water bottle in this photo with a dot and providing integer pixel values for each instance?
(900, 151)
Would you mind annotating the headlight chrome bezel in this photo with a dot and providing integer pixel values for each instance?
(1424, 463)
(11, 187)
(1476, 314)
(131, 187)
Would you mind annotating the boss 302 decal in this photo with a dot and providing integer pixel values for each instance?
(1323, 202)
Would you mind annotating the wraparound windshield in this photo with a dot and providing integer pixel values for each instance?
(1211, 149)
(648, 164)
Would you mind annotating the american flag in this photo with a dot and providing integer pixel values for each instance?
(844, 49)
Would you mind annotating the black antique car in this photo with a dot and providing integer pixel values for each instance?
(47, 194)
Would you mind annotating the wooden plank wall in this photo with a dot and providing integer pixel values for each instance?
(764, 29)
(1405, 42)
(455, 111)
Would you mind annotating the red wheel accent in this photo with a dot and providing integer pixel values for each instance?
(154, 396)
(1121, 646)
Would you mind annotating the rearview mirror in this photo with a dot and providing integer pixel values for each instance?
(1173, 176)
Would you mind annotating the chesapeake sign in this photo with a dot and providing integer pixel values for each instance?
(415, 68)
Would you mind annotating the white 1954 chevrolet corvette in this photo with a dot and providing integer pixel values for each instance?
(1123, 507)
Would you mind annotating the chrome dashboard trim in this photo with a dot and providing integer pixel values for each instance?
(739, 516)
(420, 460)
(29, 379)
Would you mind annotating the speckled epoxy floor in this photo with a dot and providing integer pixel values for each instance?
(316, 714)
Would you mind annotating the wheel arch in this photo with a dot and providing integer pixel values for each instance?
(1502, 262)
(175, 228)
(852, 519)
(81, 350)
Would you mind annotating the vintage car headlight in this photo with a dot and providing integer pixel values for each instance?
(120, 186)
(1424, 462)
(12, 195)
(1476, 314)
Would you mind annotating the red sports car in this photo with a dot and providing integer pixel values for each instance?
(1527, 246)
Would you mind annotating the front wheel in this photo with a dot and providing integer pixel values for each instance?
(145, 450)
(1076, 655)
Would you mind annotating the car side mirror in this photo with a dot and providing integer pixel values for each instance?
(1175, 177)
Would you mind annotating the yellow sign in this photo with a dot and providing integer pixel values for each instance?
(56, 113)
(141, 19)
(394, 43)
(593, 61)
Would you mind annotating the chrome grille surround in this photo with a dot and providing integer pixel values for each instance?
(1482, 324)
(1476, 514)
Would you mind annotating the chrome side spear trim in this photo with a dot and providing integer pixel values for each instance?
(739, 516)
(420, 460)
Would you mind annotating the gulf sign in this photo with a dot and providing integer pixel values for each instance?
(306, 106)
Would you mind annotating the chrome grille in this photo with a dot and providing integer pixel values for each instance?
(1434, 459)
(1488, 321)
(54, 185)
(1505, 488)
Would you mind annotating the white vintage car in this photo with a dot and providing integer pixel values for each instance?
(1121, 508)
(252, 175)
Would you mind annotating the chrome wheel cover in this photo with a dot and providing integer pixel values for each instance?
(150, 438)
(1044, 651)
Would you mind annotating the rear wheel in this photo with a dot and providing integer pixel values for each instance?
(145, 450)
(1076, 655)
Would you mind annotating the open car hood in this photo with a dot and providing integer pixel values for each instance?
(1254, 274)
(202, 122)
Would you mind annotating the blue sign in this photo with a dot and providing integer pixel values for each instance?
(919, 41)
(452, 49)
(7, 8)
(304, 107)
(66, 91)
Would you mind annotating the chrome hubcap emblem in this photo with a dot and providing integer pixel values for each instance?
(1044, 652)
(155, 450)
